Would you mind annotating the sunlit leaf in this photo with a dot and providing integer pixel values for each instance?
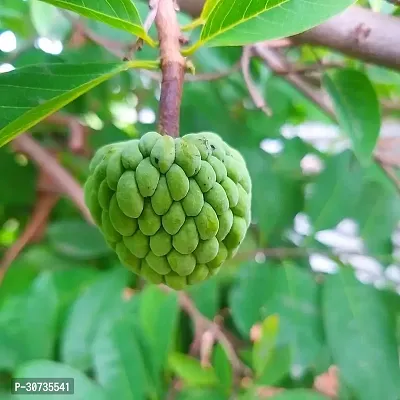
(30, 94)
(235, 23)
(121, 14)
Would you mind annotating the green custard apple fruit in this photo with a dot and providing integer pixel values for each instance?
(174, 210)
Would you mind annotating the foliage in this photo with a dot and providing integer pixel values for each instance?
(297, 299)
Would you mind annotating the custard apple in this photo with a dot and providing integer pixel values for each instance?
(174, 210)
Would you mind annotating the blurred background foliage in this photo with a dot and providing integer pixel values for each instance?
(310, 304)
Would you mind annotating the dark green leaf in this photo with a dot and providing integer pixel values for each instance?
(206, 296)
(236, 23)
(158, 312)
(276, 198)
(190, 370)
(20, 177)
(30, 94)
(97, 306)
(288, 291)
(121, 14)
(28, 324)
(361, 336)
(357, 109)
(223, 368)
(335, 192)
(119, 363)
(84, 388)
(77, 239)
(377, 212)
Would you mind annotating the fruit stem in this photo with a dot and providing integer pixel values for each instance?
(172, 68)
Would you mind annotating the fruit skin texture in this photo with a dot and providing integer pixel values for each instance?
(174, 210)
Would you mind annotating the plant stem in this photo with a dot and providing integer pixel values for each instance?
(172, 67)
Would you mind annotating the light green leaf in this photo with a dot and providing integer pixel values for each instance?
(98, 305)
(357, 108)
(158, 312)
(119, 364)
(28, 324)
(277, 367)
(235, 23)
(209, 5)
(30, 94)
(223, 368)
(77, 239)
(298, 394)
(84, 388)
(288, 291)
(264, 347)
(121, 14)
(190, 370)
(361, 336)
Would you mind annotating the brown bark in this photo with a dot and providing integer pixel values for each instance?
(172, 67)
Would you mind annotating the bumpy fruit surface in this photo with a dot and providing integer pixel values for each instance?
(174, 210)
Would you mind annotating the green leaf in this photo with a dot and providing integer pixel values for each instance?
(77, 239)
(377, 213)
(119, 363)
(277, 367)
(298, 394)
(275, 205)
(20, 177)
(97, 306)
(335, 191)
(361, 336)
(28, 324)
(69, 284)
(158, 312)
(206, 296)
(264, 347)
(84, 388)
(209, 5)
(121, 14)
(190, 370)
(235, 23)
(270, 362)
(223, 368)
(357, 108)
(288, 291)
(30, 94)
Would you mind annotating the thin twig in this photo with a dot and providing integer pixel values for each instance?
(151, 16)
(172, 67)
(257, 98)
(61, 177)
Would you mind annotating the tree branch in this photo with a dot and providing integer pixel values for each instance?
(359, 33)
(61, 177)
(172, 67)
